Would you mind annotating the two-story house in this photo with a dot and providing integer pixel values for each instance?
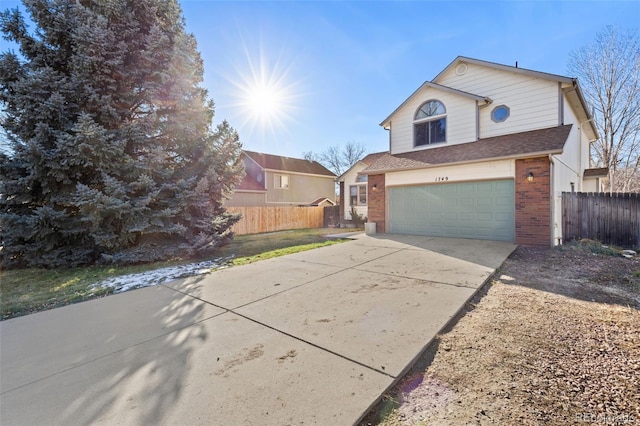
(483, 151)
(273, 180)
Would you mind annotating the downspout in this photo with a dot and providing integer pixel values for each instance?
(477, 121)
(487, 102)
(553, 203)
(560, 105)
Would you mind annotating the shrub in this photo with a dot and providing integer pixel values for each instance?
(357, 219)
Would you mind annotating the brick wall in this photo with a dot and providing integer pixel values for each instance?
(375, 209)
(533, 209)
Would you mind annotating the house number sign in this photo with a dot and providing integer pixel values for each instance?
(442, 178)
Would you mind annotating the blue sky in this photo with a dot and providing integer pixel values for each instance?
(332, 71)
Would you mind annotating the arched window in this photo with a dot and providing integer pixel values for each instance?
(430, 123)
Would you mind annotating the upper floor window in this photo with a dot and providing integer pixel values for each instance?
(281, 181)
(500, 113)
(430, 124)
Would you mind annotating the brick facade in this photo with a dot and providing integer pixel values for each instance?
(377, 202)
(533, 208)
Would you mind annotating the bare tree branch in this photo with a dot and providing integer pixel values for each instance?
(338, 159)
(609, 74)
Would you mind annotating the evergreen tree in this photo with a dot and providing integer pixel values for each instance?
(112, 154)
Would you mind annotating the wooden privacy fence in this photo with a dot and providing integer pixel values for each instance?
(268, 219)
(608, 218)
(331, 216)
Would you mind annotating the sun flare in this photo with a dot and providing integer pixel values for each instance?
(265, 94)
(264, 102)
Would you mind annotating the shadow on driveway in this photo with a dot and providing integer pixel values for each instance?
(40, 352)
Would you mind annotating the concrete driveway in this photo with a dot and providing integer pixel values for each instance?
(309, 338)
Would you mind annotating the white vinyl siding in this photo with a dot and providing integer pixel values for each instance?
(461, 119)
(591, 185)
(583, 148)
(500, 169)
(351, 178)
(569, 167)
(533, 102)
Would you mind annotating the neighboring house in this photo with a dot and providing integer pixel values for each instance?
(272, 180)
(353, 187)
(593, 179)
(483, 151)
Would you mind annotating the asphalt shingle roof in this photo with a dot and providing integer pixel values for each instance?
(371, 158)
(601, 172)
(524, 144)
(288, 164)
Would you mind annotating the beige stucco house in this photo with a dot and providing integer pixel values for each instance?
(483, 151)
(273, 180)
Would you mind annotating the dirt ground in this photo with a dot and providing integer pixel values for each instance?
(554, 339)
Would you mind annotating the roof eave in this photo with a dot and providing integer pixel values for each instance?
(250, 190)
(575, 89)
(341, 177)
(331, 176)
(591, 173)
(524, 71)
(455, 163)
(252, 159)
(436, 87)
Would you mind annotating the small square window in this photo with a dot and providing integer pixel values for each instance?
(281, 181)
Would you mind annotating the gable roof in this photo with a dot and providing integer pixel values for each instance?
(509, 68)
(321, 200)
(288, 164)
(515, 145)
(250, 184)
(437, 87)
(368, 160)
(573, 91)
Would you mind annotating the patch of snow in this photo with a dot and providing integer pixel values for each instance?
(159, 276)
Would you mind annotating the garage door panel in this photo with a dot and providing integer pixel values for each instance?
(504, 217)
(483, 210)
(484, 217)
(504, 202)
(504, 185)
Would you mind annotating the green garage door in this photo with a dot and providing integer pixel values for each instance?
(479, 210)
